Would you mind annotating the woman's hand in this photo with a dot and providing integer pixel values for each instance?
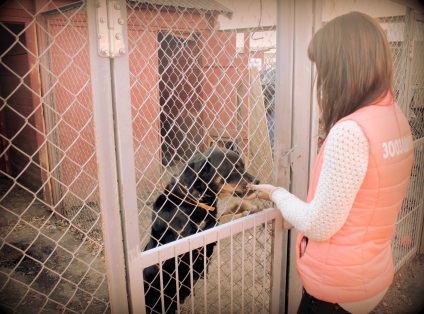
(262, 191)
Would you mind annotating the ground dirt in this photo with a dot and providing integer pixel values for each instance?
(45, 263)
(67, 255)
(406, 295)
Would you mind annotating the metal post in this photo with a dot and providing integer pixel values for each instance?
(108, 173)
(126, 168)
(296, 127)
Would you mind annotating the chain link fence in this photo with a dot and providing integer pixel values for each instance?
(197, 82)
(193, 86)
(51, 247)
(202, 74)
(410, 221)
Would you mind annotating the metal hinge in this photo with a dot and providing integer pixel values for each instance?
(411, 49)
(110, 25)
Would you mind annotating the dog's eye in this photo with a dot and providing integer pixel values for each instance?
(239, 166)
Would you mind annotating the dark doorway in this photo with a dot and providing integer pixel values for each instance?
(180, 96)
(18, 144)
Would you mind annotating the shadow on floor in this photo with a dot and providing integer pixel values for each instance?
(406, 295)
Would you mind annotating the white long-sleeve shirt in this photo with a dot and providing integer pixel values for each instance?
(343, 170)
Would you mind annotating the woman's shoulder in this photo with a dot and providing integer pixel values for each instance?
(347, 133)
(346, 127)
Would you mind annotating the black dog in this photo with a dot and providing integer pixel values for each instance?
(188, 206)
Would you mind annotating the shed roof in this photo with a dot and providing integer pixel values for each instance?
(203, 5)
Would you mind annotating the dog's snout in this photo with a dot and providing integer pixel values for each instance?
(251, 179)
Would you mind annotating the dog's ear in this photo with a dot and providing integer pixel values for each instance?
(195, 167)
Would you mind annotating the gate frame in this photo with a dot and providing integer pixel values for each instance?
(118, 183)
(111, 155)
(296, 106)
(116, 167)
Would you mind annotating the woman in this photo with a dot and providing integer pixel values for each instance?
(344, 256)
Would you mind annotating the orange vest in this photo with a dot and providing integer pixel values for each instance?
(356, 263)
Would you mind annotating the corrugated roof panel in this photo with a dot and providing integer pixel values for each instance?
(203, 5)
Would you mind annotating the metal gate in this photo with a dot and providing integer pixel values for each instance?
(104, 102)
(194, 84)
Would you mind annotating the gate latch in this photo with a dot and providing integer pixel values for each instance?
(110, 25)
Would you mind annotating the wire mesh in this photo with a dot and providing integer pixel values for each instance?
(241, 283)
(416, 105)
(197, 82)
(190, 89)
(239, 278)
(409, 226)
(51, 245)
(199, 79)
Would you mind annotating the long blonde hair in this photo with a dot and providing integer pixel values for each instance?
(354, 65)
